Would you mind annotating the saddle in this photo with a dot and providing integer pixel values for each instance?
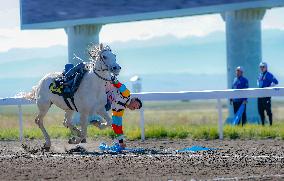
(68, 82)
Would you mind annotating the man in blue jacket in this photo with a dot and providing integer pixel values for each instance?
(240, 82)
(265, 79)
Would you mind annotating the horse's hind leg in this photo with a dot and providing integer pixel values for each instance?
(43, 109)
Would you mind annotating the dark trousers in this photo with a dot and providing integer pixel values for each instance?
(236, 106)
(264, 104)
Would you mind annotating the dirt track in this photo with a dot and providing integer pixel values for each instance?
(235, 160)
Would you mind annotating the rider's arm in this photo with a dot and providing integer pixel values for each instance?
(274, 81)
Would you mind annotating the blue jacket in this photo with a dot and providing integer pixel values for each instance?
(240, 83)
(266, 79)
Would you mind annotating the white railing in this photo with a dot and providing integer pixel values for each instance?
(171, 96)
(17, 101)
(207, 94)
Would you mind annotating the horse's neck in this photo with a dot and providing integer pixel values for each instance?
(97, 80)
(98, 65)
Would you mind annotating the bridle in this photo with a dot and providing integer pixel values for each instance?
(105, 79)
(101, 69)
(102, 59)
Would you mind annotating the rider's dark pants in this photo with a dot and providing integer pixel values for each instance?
(237, 106)
(264, 104)
(108, 105)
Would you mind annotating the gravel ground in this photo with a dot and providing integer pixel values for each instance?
(234, 160)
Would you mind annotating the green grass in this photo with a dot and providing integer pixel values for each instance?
(194, 132)
(196, 120)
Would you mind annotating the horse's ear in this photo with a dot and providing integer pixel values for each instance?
(101, 46)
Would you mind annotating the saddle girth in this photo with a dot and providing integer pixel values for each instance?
(68, 104)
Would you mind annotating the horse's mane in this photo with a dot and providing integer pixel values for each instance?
(95, 50)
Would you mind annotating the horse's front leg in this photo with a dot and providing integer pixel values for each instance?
(83, 133)
(73, 129)
(106, 116)
(67, 123)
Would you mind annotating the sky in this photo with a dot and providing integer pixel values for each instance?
(12, 37)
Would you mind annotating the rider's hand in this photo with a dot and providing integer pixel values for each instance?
(245, 102)
(113, 79)
(123, 145)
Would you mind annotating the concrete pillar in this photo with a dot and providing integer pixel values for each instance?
(79, 37)
(243, 34)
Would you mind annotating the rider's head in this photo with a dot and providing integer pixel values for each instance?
(135, 103)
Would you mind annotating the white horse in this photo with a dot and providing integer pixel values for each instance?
(90, 98)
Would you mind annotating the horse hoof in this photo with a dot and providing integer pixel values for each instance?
(74, 140)
(84, 140)
(65, 124)
(45, 148)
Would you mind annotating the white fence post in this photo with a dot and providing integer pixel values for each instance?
(142, 124)
(20, 122)
(220, 124)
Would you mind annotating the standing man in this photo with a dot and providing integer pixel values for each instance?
(240, 82)
(265, 79)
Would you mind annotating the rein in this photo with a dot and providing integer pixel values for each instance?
(108, 80)
(99, 70)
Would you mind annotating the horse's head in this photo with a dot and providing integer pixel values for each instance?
(104, 59)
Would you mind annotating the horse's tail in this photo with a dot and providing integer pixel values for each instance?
(32, 94)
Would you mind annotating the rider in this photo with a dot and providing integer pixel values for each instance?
(118, 99)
